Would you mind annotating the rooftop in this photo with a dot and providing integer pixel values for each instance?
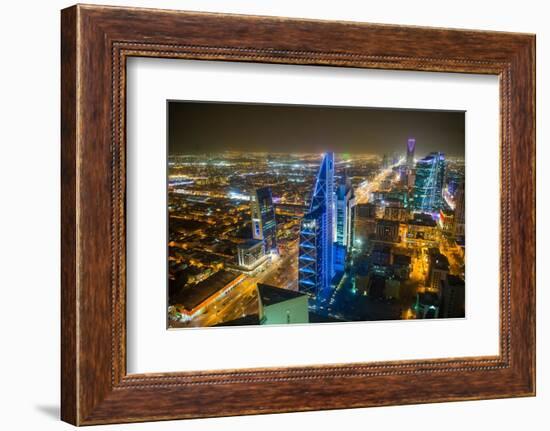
(454, 280)
(250, 243)
(438, 260)
(270, 295)
(428, 298)
(423, 220)
(401, 259)
(386, 222)
(192, 296)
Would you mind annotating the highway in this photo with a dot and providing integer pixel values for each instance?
(366, 188)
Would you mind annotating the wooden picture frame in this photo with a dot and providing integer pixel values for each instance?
(95, 43)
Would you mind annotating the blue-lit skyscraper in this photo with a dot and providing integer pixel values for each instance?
(428, 186)
(316, 254)
(264, 225)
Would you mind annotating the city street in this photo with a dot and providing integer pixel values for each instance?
(367, 187)
(242, 300)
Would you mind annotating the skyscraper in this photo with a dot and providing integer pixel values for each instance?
(459, 218)
(345, 207)
(316, 253)
(264, 225)
(428, 186)
(343, 226)
(411, 144)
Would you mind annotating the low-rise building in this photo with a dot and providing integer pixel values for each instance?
(281, 306)
(251, 255)
(402, 266)
(396, 213)
(192, 300)
(427, 305)
(446, 221)
(422, 230)
(387, 230)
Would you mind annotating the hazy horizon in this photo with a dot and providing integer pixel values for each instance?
(215, 127)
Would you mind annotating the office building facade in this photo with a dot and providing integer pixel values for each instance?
(428, 186)
(345, 215)
(250, 254)
(264, 224)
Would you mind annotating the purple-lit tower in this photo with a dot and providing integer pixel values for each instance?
(411, 144)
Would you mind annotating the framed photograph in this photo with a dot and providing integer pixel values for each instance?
(285, 214)
(266, 215)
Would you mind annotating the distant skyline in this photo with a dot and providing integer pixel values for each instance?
(205, 127)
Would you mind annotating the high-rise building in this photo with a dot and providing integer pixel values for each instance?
(428, 186)
(452, 297)
(459, 217)
(411, 144)
(438, 269)
(345, 209)
(343, 225)
(316, 252)
(264, 225)
(310, 268)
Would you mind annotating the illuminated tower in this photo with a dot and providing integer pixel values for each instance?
(428, 185)
(316, 254)
(411, 144)
(264, 225)
(345, 206)
(343, 226)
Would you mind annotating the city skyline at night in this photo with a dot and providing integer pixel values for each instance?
(270, 236)
(279, 128)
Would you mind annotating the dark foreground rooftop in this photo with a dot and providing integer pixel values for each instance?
(191, 296)
(270, 295)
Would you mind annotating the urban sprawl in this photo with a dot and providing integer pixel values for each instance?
(267, 238)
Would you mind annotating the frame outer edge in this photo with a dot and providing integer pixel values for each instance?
(69, 195)
(86, 397)
(533, 54)
(527, 61)
(523, 216)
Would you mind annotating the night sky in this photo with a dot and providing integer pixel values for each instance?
(195, 127)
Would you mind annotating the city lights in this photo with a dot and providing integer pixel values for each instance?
(258, 237)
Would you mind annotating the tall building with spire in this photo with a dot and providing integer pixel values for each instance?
(264, 225)
(411, 145)
(316, 249)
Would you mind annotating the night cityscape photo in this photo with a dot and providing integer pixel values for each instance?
(294, 214)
